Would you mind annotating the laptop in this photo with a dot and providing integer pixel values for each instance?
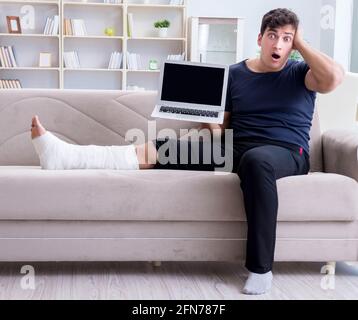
(192, 91)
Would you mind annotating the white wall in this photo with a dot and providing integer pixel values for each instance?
(253, 10)
(343, 32)
(354, 56)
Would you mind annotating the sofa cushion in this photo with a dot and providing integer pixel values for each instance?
(99, 117)
(33, 194)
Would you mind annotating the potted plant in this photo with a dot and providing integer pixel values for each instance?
(162, 26)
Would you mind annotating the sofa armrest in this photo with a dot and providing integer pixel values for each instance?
(340, 152)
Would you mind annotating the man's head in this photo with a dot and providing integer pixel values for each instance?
(276, 37)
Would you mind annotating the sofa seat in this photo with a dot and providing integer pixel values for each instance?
(29, 193)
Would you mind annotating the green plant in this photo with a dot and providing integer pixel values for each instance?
(162, 24)
(295, 55)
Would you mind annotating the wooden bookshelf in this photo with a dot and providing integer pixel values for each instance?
(95, 48)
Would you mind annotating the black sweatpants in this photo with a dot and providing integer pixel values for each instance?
(259, 164)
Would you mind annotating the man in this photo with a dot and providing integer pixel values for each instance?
(270, 104)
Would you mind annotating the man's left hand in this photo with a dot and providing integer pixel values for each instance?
(298, 40)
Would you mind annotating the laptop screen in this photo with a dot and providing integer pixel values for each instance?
(193, 84)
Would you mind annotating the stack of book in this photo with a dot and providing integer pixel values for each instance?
(74, 27)
(116, 60)
(178, 57)
(71, 60)
(134, 61)
(10, 84)
(7, 57)
(51, 26)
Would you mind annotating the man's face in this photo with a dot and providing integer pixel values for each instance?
(276, 46)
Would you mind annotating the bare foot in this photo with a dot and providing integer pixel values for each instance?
(37, 129)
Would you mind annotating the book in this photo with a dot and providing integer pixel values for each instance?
(178, 57)
(2, 57)
(77, 60)
(176, 2)
(55, 25)
(7, 55)
(46, 25)
(70, 31)
(12, 57)
(130, 25)
(116, 60)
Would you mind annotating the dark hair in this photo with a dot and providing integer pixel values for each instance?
(279, 18)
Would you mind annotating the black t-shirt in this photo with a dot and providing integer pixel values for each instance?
(273, 106)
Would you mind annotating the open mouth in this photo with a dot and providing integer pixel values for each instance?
(276, 56)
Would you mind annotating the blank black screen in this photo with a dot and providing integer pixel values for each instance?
(193, 84)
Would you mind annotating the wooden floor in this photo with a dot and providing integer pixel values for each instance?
(188, 280)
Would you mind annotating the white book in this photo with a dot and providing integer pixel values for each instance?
(65, 58)
(68, 65)
(72, 60)
(84, 28)
(78, 27)
(7, 65)
(131, 61)
(51, 26)
(69, 62)
(77, 60)
(110, 64)
(2, 57)
(7, 56)
(115, 60)
(46, 25)
(128, 60)
(12, 56)
(134, 59)
(130, 25)
(139, 62)
(120, 54)
(73, 27)
(9, 84)
(56, 25)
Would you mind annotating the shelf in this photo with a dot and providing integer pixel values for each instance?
(157, 38)
(95, 37)
(37, 35)
(92, 69)
(95, 48)
(165, 6)
(30, 68)
(143, 71)
(29, 1)
(93, 4)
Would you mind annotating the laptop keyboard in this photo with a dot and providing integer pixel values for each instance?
(191, 112)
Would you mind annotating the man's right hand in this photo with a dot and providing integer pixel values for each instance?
(215, 126)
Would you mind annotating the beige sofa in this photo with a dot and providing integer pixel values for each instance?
(156, 215)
